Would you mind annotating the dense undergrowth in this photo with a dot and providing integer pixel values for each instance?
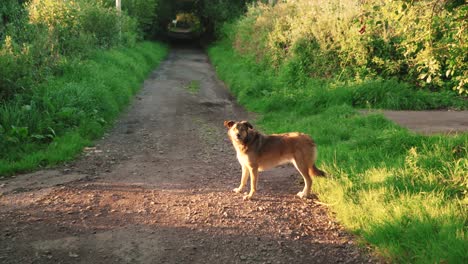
(424, 43)
(404, 194)
(66, 70)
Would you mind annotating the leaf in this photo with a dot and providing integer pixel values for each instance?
(26, 107)
(52, 132)
(12, 139)
(429, 79)
(20, 132)
(37, 136)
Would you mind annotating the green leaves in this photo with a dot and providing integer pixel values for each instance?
(420, 42)
(17, 134)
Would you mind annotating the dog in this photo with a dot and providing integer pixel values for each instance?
(258, 152)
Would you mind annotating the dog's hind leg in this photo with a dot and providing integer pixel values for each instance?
(245, 176)
(304, 171)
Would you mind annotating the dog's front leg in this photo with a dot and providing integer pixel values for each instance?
(245, 176)
(253, 182)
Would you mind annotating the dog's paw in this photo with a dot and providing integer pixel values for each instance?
(237, 190)
(302, 195)
(247, 197)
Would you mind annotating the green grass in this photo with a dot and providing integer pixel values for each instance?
(67, 112)
(403, 193)
(193, 87)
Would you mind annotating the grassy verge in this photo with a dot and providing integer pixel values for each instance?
(66, 113)
(403, 193)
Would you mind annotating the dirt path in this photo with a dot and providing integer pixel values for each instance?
(431, 122)
(157, 189)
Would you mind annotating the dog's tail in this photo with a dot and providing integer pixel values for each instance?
(317, 172)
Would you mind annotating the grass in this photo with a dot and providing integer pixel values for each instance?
(69, 111)
(193, 87)
(403, 193)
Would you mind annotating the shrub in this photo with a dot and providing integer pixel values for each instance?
(106, 27)
(424, 43)
(214, 13)
(40, 36)
(144, 12)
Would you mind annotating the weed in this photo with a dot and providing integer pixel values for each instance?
(193, 86)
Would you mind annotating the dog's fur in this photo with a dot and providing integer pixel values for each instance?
(257, 152)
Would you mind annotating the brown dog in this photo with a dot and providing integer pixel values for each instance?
(259, 152)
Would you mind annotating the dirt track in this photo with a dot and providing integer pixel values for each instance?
(157, 189)
(431, 122)
(428, 122)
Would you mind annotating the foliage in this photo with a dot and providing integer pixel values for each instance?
(145, 12)
(47, 33)
(108, 28)
(11, 16)
(65, 113)
(53, 98)
(187, 20)
(405, 194)
(422, 42)
(72, 21)
(214, 13)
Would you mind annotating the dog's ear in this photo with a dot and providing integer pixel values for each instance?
(247, 124)
(229, 124)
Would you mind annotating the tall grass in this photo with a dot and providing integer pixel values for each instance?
(403, 193)
(65, 113)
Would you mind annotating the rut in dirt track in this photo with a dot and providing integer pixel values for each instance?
(157, 189)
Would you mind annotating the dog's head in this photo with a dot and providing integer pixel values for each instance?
(238, 131)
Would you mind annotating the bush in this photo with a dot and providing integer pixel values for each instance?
(107, 28)
(144, 11)
(214, 13)
(42, 35)
(424, 43)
